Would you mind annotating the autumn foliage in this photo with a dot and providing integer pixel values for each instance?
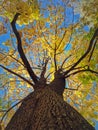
(46, 41)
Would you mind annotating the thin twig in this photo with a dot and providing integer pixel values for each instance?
(12, 58)
(49, 74)
(65, 61)
(73, 88)
(61, 39)
(45, 38)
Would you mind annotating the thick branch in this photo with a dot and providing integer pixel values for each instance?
(17, 75)
(20, 50)
(85, 54)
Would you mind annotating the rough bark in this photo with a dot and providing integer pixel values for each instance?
(44, 109)
(58, 84)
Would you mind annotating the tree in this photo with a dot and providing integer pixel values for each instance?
(49, 57)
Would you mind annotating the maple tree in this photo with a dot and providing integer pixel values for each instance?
(50, 42)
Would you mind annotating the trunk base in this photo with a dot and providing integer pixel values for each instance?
(46, 110)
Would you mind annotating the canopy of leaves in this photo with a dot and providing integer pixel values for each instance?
(29, 10)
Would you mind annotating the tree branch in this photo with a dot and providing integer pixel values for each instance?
(79, 71)
(65, 60)
(45, 38)
(92, 51)
(75, 89)
(44, 68)
(12, 58)
(10, 109)
(16, 60)
(85, 54)
(61, 39)
(20, 50)
(55, 63)
(17, 75)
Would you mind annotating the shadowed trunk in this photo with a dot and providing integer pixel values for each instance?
(44, 109)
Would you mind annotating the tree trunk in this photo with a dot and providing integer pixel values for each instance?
(44, 109)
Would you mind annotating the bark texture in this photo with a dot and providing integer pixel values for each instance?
(44, 109)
